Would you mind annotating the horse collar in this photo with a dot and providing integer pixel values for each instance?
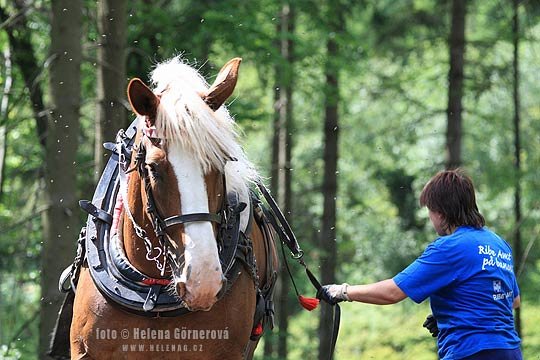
(121, 282)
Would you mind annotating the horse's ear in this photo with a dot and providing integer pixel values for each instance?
(224, 84)
(142, 100)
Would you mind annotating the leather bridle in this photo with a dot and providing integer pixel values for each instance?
(160, 224)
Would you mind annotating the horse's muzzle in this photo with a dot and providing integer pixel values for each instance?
(197, 294)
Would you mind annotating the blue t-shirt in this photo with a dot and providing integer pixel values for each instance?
(469, 279)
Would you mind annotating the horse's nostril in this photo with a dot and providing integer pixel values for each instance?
(188, 272)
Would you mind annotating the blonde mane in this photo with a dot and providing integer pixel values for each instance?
(184, 118)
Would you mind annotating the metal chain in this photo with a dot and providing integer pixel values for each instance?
(139, 231)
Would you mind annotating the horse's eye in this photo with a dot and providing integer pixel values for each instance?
(156, 141)
(153, 170)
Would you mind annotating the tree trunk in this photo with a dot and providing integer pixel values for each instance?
(331, 131)
(281, 160)
(60, 221)
(4, 103)
(111, 77)
(517, 152)
(19, 35)
(455, 85)
(3, 146)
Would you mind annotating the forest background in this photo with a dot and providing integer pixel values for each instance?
(347, 108)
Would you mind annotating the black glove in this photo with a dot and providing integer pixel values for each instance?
(333, 294)
(431, 325)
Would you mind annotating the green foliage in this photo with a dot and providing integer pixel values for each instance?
(393, 90)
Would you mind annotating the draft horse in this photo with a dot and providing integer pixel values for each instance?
(178, 259)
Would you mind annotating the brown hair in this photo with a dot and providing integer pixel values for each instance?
(451, 193)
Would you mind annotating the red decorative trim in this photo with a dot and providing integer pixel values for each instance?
(152, 281)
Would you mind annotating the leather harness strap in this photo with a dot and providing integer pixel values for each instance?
(182, 219)
(95, 212)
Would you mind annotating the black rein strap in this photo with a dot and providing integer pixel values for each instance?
(288, 238)
(282, 226)
(182, 219)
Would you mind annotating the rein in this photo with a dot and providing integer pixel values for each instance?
(282, 227)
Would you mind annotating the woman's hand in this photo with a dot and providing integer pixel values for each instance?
(431, 325)
(333, 293)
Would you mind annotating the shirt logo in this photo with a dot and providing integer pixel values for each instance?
(497, 286)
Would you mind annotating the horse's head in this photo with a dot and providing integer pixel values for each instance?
(185, 140)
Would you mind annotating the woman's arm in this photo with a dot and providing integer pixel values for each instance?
(517, 302)
(380, 293)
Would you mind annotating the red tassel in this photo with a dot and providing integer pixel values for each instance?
(257, 330)
(308, 303)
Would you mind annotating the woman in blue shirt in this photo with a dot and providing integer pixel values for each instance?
(467, 274)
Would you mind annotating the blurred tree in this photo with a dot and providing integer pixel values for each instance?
(19, 34)
(60, 221)
(517, 149)
(282, 143)
(155, 34)
(336, 26)
(4, 103)
(111, 77)
(400, 186)
(455, 84)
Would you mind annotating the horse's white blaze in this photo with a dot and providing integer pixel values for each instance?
(202, 271)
